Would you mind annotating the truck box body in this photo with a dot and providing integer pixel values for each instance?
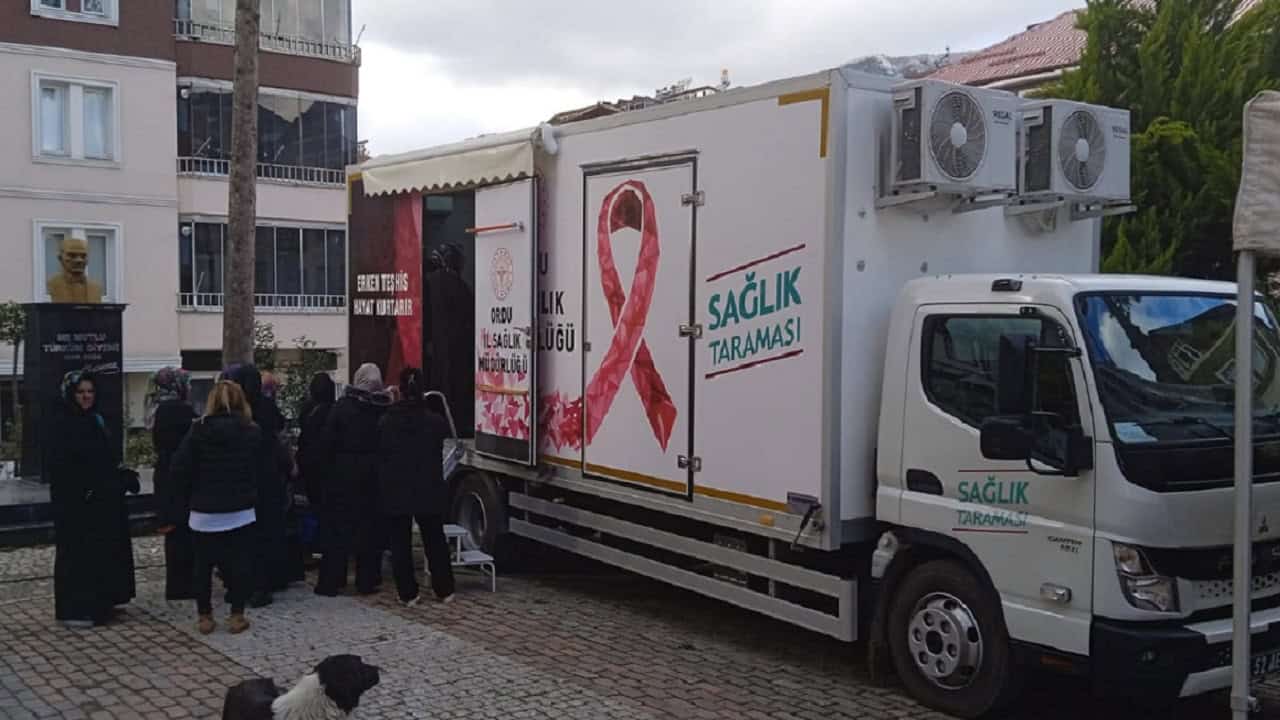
(782, 263)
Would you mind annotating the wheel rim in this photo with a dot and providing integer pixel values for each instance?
(472, 517)
(945, 641)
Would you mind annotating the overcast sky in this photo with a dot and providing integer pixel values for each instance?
(444, 70)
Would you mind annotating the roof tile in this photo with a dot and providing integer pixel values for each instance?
(1053, 45)
(1043, 47)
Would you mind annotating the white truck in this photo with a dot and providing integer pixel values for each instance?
(749, 345)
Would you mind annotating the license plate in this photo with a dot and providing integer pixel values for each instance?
(1267, 663)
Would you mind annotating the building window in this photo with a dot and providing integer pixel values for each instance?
(207, 250)
(55, 125)
(300, 138)
(300, 269)
(77, 262)
(305, 27)
(74, 120)
(103, 12)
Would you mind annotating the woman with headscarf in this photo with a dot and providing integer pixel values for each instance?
(312, 420)
(349, 511)
(170, 419)
(273, 464)
(411, 487)
(93, 564)
(451, 334)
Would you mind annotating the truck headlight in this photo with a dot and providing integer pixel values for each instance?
(1142, 587)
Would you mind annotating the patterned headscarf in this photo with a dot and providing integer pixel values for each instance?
(270, 386)
(368, 378)
(71, 381)
(169, 383)
(366, 386)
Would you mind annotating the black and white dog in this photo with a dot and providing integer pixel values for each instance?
(330, 692)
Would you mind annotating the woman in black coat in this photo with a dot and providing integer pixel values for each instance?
(93, 565)
(273, 465)
(411, 486)
(215, 472)
(311, 437)
(349, 515)
(170, 421)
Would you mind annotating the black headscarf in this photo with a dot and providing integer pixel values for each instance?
(412, 386)
(266, 414)
(321, 392)
(448, 257)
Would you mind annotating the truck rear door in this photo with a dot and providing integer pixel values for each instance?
(638, 234)
(1032, 533)
(505, 243)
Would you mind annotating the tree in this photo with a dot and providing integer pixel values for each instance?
(265, 346)
(237, 305)
(296, 369)
(13, 328)
(297, 379)
(1184, 69)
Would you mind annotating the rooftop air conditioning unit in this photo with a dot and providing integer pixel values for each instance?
(953, 139)
(1074, 151)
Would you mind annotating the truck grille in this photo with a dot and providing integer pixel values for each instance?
(1210, 593)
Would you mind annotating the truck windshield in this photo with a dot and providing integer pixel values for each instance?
(1165, 366)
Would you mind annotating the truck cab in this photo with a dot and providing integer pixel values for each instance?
(1063, 445)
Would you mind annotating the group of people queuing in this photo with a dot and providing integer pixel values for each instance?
(370, 462)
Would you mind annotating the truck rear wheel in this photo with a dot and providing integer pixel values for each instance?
(948, 640)
(479, 506)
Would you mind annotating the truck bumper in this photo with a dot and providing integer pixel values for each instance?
(1162, 662)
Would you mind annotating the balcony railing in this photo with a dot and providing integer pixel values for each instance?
(266, 171)
(268, 303)
(280, 43)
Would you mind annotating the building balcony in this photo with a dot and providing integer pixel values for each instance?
(226, 35)
(287, 174)
(268, 303)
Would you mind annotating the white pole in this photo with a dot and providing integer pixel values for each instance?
(1241, 701)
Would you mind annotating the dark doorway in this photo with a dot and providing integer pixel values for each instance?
(448, 288)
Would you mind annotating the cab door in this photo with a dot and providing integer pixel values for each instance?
(1033, 533)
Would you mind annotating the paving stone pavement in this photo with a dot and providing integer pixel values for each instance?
(594, 644)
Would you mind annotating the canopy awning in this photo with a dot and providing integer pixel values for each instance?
(483, 160)
(1257, 216)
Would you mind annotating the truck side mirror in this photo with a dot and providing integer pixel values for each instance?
(1014, 375)
(1006, 438)
(1029, 437)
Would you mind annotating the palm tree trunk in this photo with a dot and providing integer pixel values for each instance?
(237, 306)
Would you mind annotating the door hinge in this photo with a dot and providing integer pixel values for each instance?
(691, 331)
(697, 198)
(586, 346)
(684, 462)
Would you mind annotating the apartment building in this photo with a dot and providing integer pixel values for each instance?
(122, 150)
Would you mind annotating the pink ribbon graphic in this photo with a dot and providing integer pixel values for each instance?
(627, 205)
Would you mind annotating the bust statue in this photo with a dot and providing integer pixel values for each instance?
(72, 285)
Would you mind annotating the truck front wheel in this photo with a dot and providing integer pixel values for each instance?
(949, 643)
